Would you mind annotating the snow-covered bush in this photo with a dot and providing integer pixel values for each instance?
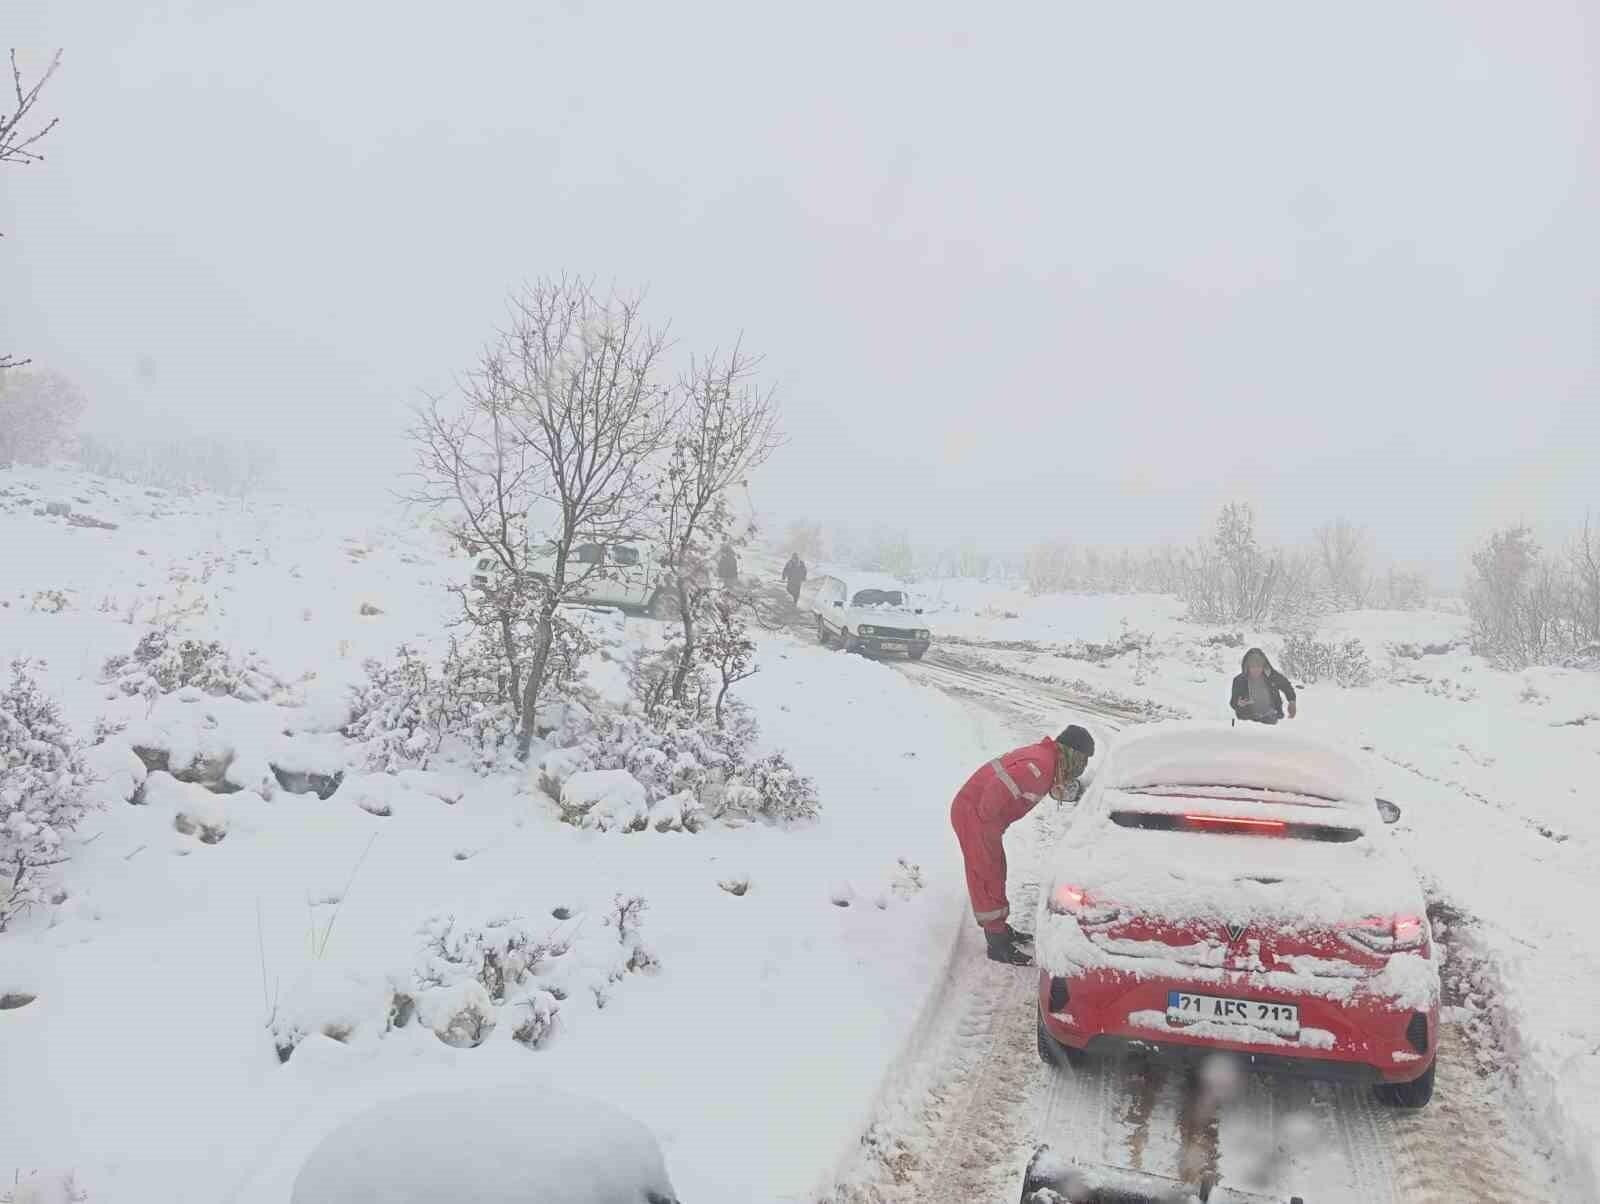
(43, 782)
(469, 977)
(162, 663)
(45, 1187)
(37, 412)
(1231, 578)
(409, 713)
(1528, 608)
(1309, 659)
(770, 789)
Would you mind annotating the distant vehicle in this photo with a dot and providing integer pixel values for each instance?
(869, 613)
(503, 1145)
(626, 575)
(1226, 889)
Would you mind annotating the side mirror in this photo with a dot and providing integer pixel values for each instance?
(838, 605)
(1389, 812)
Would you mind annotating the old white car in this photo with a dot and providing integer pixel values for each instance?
(625, 575)
(869, 613)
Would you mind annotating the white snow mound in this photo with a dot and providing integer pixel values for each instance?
(508, 1145)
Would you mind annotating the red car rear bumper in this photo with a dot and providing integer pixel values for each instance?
(1364, 1039)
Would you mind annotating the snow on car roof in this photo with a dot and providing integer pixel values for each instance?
(1247, 755)
(860, 581)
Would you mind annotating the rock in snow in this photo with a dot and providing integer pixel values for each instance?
(510, 1145)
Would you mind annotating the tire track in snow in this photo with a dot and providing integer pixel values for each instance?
(991, 1100)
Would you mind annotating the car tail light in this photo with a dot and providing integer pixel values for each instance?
(1390, 934)
(1074, 901)
(1234, 823)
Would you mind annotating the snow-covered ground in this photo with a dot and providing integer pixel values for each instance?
(179, 961)
(750, 1028)
(1494, 771)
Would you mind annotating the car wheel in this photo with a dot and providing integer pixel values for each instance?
(1414, 1094)
(1055, 1055)
(916, 654)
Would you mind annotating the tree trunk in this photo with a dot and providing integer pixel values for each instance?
(680, 676)
(543, 637)
(721, 694)
(508, 645)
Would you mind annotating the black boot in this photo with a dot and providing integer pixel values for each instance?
(1018, 937)
(1003, 949)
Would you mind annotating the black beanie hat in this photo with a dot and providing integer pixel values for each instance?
(1076, 737)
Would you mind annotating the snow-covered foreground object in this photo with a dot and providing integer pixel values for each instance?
(257, 935)
(510, 1145)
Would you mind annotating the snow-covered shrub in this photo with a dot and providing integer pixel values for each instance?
(37, 413)
(499, 955)
(768, 788)
(470, 977)
(671, 753)
(410, 713)
(1231, 578)
(605, 799)
(162, 663)
(1525, 606)
(1309, 659)
(46, 1187)
(43, 784)
(51, 601)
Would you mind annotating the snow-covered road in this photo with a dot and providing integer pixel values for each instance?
(960, 1123)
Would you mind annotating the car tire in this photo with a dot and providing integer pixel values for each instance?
(1055, 1055)
(1414, 1094)
(916, 654)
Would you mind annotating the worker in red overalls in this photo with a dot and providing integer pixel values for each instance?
(993, 799)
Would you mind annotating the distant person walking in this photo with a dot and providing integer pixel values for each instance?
(1259, 690)
(794, 576)
(728, 566)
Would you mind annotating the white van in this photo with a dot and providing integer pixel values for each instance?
(870, 613)
(626, 575)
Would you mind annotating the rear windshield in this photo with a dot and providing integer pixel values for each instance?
(879, 597)
(1233, 825)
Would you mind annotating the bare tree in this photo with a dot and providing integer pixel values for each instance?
(1584, 561)
(16, 143)
(726, 427)
(557, 432)
(37, 413)
(804, 539)
(727, 647)
(1343, 551)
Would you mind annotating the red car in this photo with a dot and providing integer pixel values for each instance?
(1232, 889)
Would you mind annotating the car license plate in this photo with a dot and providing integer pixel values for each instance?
(1280, 1018)
(892, 645)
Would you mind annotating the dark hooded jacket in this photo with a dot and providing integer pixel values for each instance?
(1278, 688)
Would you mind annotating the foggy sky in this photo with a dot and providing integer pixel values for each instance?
(1050, 269)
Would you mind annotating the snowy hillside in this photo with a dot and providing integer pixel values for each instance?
(258, 934)
(209, 929)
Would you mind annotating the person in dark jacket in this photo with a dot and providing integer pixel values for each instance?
(728, 566)
(794, 576)
(1259, 691)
